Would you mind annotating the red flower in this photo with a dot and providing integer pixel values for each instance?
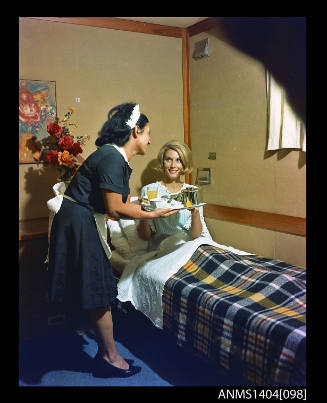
(76, 149)
(54, 129)
(52, 157)
(66, 142)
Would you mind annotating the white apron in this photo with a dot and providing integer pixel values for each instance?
(54, 205)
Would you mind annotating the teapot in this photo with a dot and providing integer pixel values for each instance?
(189, 194)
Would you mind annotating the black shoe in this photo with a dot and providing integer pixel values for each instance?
(102, 369)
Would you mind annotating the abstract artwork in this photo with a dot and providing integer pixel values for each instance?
(37, 108)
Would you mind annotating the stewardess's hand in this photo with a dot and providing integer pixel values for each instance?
(164, 212)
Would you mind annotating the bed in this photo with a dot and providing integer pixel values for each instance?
(244, 312)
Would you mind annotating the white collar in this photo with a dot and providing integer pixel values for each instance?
(121, 150)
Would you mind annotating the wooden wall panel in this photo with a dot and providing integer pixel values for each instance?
(201, 26)
(186, 94)
(120, 24)
(277, 222)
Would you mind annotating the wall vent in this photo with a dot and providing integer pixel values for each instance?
(201, 49)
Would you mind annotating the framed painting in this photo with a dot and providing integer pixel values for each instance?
(37, 108)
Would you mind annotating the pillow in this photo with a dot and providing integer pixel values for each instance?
(125, 238)
(118, 239)
(137, 245)
(118, 262)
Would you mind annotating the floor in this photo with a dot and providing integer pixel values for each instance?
(63, 358)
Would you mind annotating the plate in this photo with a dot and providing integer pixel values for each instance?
(149, 208)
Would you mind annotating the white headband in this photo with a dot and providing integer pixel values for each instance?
(134, 117)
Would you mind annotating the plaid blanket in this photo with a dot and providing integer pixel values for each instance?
(246, 313)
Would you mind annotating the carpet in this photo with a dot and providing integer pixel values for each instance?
(63, 357)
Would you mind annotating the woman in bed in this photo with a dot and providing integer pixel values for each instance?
(174, 160)
(80, 271)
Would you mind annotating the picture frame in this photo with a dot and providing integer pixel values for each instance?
(37, 108)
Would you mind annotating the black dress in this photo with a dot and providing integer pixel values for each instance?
(80, 272)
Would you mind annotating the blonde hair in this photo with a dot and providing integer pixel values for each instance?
(183, 151)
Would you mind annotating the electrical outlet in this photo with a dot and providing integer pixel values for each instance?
(212, 156)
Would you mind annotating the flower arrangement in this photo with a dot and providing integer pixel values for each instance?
(60, 148)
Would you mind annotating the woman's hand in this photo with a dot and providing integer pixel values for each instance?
(144, 230)
(117, 209)
(163, 212)
(194, 211)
